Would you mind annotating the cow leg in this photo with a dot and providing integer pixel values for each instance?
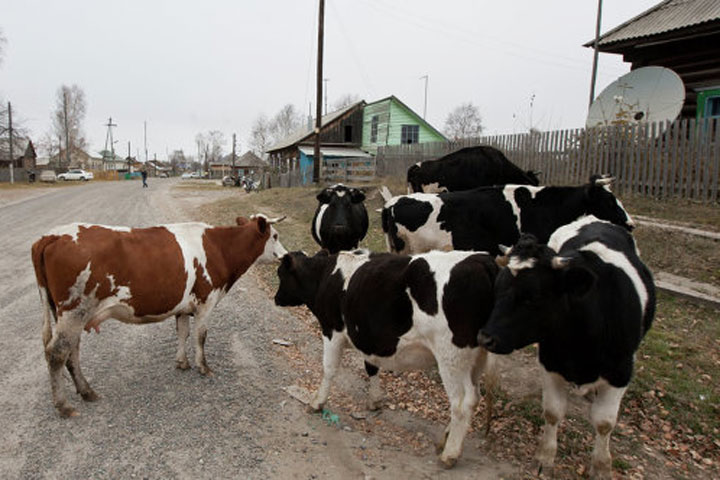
(200, 337)
(73, 366)
(487, 364)
(57, 353)
(182, 324)
(457, 376)
(375, 392)
(554, 405)
(332, 356)
(603, 415)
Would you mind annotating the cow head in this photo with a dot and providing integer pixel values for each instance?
(341, 219)
(603, 204)
(273, 248)
(532, 294)
(299, 277)
(533, 177)
(413, 180)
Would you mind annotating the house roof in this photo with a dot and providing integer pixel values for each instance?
(248, 159)
(20, 147)
(303, 133)
(666, 16)
(419, 118)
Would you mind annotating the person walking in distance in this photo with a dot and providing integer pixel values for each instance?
(144, 177)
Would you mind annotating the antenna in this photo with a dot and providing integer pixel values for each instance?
(648, 94)
(425, 105)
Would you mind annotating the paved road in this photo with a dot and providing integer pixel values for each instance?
(152, 420)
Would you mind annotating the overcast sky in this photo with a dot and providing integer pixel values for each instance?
(190, 66)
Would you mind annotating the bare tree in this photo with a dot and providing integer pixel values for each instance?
(464, 122)
(68, 118)
(260, 135)
(345, 101)
(3, 42)
(215, 143)
(285, 122)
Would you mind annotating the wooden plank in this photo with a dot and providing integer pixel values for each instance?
(706, 146)
(715, 160)
(682, 159)
(675, 139)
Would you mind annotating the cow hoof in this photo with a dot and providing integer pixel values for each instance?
(440, 446)
(90, 396)
(547, 470)
(448, 463)
(601, 471)
(182, 365)
(67, 411)
(205, 370)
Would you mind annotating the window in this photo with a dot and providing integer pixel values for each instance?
(348, 133)
(374, 128)
(712, 107)
(410, 134)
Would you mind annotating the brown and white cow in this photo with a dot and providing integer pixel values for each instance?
(90, 273)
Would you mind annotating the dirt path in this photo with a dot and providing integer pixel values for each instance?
(154, 421)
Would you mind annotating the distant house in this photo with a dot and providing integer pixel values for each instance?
(682, 35)
(78, 159)
(246, 164)
(24, 156)
(340, 137)
(390, 122)
(157, 168)
(354, 132)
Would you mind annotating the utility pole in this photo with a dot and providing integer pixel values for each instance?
(425, 106)
(318, 107)
(595, 55)
(109, 138)
(233, 156)
(12, 155)
(67, 130)
(325, 80)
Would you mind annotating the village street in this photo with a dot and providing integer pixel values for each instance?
(152, 420)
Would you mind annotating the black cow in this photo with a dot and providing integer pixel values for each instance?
(340, 220)
(401, 313)
(466, 169)
(483, 218)
(588, 300)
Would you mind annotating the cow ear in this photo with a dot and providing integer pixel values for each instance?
(502, 261)
(262, 224)
(356, 196)
(324, 196)
(241, 221)
(578, 281)
(323, 253)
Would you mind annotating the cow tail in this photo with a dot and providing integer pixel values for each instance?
(387, 223)
(491, 385)
(50, 309)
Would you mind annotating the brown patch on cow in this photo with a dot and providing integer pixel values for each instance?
(148, 261)
(231, 250)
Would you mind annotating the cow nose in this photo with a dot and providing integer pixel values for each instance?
(486, 341)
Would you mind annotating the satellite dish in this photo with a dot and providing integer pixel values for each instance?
(648, 94)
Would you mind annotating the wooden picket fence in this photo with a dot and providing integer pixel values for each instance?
(665, 160)
(349, 170)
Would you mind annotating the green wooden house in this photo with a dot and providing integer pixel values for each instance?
(390, 122)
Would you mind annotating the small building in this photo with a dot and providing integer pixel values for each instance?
(390, 122)
(78, 159)
(23, 153)
(682, 35)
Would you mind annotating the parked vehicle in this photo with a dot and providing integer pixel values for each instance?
(76, 174)
(188, 175)
(163, 175)
(48, 176)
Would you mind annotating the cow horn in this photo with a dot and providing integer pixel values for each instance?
(558, 263)
(277, 219)
(503, 249)
(604, 180)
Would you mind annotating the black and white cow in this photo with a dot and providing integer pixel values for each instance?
(340, 220)
(465, 169)
(483, 218)
(401, 313)
(588, 300)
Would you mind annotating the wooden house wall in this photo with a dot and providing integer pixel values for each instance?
(695, 60)
(335, 133)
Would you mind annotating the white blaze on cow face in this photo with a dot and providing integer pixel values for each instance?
(515, 264)
(273, 248)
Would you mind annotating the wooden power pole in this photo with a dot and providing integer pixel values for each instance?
(233, 157)
(595, 54)
(318, 100)
(12, 155)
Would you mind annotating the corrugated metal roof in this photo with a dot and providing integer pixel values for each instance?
(664, 17)
(303, 132)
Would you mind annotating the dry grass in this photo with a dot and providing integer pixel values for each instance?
(699, 215)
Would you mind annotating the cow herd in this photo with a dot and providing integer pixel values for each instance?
(482, 261)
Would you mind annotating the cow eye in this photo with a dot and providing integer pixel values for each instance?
(275, 237)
